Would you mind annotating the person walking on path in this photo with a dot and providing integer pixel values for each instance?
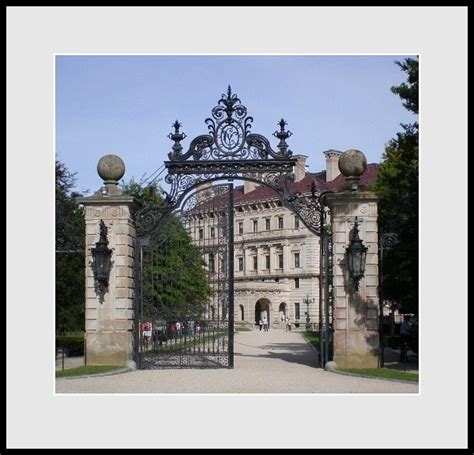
(260, 324)
(288, 324)
(265, 324)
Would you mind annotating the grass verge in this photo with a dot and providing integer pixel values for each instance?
(312, 337)
(382, 373)
(93, 369)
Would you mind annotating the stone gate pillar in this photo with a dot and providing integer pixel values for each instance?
(355, 312)
(109, 314)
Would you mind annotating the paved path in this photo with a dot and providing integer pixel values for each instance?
(265, 362)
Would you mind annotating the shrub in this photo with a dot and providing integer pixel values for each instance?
(73, 345)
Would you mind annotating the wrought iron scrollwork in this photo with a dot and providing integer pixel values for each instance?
(229, 136)
(231, 152)
(387, 240)
(308, 206)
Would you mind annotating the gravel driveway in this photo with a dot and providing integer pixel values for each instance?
(265, 362)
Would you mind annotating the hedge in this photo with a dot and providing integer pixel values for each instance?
(72, 345)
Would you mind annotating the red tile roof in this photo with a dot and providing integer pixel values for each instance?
(263, 192)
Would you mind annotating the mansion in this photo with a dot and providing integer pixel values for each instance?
(276, 258)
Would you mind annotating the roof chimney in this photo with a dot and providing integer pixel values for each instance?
(300, 167)
(332, 168)
(204, 192)
(249, 186)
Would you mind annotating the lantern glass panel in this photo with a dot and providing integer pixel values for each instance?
(102, 268)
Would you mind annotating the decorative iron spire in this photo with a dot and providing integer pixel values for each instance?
(282, 135)
(177, 137)
(229, 102)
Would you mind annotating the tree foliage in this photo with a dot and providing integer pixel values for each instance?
(174, 281)
(397, 183)
(70, 275)
(408, 91)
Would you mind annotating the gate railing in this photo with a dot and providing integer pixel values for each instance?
(180, 334)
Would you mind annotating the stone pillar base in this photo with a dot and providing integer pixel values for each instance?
(356, 349)
(108, 348)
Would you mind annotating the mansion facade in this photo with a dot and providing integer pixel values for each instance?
(276, 258)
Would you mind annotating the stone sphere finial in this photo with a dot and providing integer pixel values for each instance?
(111, 169)
(352, 164)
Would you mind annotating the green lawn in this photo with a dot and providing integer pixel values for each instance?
(312, 337)
(387, 373)
(79, 371)
(383, 373)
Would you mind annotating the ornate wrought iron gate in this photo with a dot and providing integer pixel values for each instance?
(169, 330)
(186, 295)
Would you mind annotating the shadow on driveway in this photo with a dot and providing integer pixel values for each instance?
(296, 353)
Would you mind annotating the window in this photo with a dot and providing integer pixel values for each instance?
(201, 234)
(240, 261)
(280, 222)
(297, 283)
(267, 262)
(297, 259)
(213, 232)
(297, 222)
(255, 263)
(212, 267)
(280, 261)
(241, 227)
(267, 224)
(255, 225)
(297, 310)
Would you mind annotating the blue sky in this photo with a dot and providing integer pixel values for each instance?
(125, 105)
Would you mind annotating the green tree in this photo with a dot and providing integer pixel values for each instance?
(174, 281)
(70, 275)
(397, 183)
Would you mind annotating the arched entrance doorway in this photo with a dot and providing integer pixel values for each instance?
(262, 310)
(282, 312)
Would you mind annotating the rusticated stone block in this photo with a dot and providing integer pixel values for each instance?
(123, 282)
(124, 271)
(340, 324)
(123, 261)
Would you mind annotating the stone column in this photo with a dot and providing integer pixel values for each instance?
(272, 259)
(356, 336)
(286, 257)
(109, 313)
(259, 258)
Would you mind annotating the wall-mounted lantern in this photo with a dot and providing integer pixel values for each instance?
(101, 254)
(356, 256)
